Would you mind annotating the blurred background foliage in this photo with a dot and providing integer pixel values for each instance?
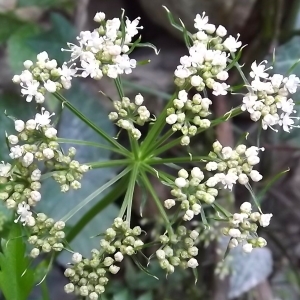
(28, 27)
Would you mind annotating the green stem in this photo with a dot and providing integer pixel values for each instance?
(109, 163)
(127, 203)
(186, 159)
(234, 112)
(165, 137)
(114, 194)
(158, 203)
(82, 117)
(91, 144)
(156, 128)
(88, 199)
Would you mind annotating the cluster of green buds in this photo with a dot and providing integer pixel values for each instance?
(46, 235)
(178, 250)
(187, 115)
(243, 227)
(129, 113)
(68, 172)
(190, 192)
(88, 276)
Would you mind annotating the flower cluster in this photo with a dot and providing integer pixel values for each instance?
(243, 228)
(178, 250)
(103, 51)
(233, 164)
(88, 276)
(42, 76)
(46, 235)
(129, 113)
(205, 66)
(269, 99)
(35, 141)
(188, 115)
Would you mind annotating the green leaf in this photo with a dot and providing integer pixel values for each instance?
(16, 107)
(16, 279)
(18, 48)
(8, 25)
(52, 41)
(42, 3)
(57, 204)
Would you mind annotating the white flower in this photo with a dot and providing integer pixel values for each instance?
(169, 203)
(180, 182)
(30, 124)
(50, 133)
(27, 159)
(67, 73)
(118, 256)
(132, 27)
(160, 254)
(220, 88)
(212, 181)
(90, 68)
(234, 232)
(36, 175)
(269, 121)
(76, 258)
(182, 72)
(253, 160)
(16, 152)
(31, 89)
(276, 80)
(228, 180)
(35, 196)
(211, 166)
(255, 176)
(258, 70)
(226, 152)
(114, 269)
(48, 153)
(210, 28)
(197, 173)
(200, 21)
(287, 122)
(139, 99)
(125, 64)
(5, 169)
(196, 80)
(223, 75)
(194, 234)
(171, 119)
(291, 83)
(27, 64)
(24, 214)
(99, 17)
(189, 215)
(233, 243)
(192, 263)
(264, 219)
(249, 101)
(42, 57)
(232, 44)
(246, 207)
(26, 76)
(247, 248)
(43, 118)
(196, 208)
(13, 139)
(243, 179)
(221, 31)
(253, 151)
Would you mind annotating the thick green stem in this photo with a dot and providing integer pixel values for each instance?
(112, 196)
(82, 117)
(127, 203)
(93, 195)
(92, 144)
(234, 112)
(109, 163)
(184, 159)
(158, 203)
